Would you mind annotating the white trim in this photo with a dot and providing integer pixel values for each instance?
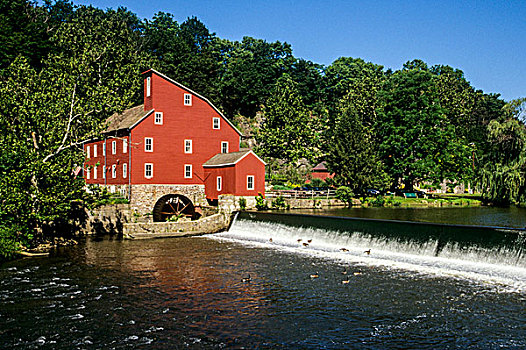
(187, 98)
(219, 183)
(124, 146)
(88, 171)
(190, 168)
(237, 161)
(146, 165)
(104, 171)
(214, 123)
(104, 148)
(95, 151)
(124, 170)
(253, 182)
(195, 94)
(146, 139)
(113, 147)
(113, 171)
(190, 151)
(140, 120)
(148, 86)
(88, 155)
(222, 144)
(160, 115)
(95, 172)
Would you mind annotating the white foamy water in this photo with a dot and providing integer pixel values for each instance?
(479, 264)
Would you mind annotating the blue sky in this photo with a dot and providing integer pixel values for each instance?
(485, 39)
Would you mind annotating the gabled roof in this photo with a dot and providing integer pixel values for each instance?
(196, 94)
(224, 159)
(127, 119)
(320, 167)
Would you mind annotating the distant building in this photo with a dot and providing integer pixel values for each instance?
(175, 150)
(320, 171)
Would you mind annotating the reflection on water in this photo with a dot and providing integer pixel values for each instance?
(188, 292)
(484, 216)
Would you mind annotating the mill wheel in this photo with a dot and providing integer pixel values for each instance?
(173, 205)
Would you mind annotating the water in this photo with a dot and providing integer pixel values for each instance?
(189, 293)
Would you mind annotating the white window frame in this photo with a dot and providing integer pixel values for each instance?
(253, 182)
(94, 151)
(188, 171)
(146, 166)
(214, 126)
(187, 99)
(113, 147)
(219, 183)
(124, 146)
(104, 148)
(224, 146)
(188, 148)
(150, 148)
(158, 118)
(104, 171)
(124, 170)
(148, 86)
(88, 152)
(95, 172)
(113, 171)
(87, 173)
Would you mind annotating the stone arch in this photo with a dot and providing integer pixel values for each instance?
(174, 204)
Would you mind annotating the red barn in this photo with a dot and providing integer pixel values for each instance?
(162, 153)
(320, 171)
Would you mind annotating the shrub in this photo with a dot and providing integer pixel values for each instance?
(242, 203)
(345, 194)
(279, 203)
(261, 204)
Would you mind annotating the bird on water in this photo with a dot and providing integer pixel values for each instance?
(246, 279)
(310, 240)
(315, 275)
(368, 252)
(344, 249)
(305, 244)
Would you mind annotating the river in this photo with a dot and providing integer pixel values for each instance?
(195, 293)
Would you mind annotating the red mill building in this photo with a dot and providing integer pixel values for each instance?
(174, 152)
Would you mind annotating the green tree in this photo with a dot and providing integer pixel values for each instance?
(288, 131)
(418, 142)
(45, 116)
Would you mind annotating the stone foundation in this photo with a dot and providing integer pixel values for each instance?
(209, 224)
(229, 203)
(144, 197)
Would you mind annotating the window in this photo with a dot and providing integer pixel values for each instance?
(187, 146)
(87, 173)
(224, 147)
(148, 170)
(218, 181)
(104, 148)
(95, 151)
(158, 118)
(216, 124)
(188, 171)
(87, 152)
(148, 86)
(187, 99)
(114, 171)
(250, 182)
(124, 146)
(95, 172)
(113, 147)
(104, 171)
(148, 144)
(124, 170)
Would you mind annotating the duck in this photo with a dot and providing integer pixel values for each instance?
(270, 240)
(315, 275)
(305, 244)
(346, 281)
(310, 240)
(344, 272)
(246, 279)
(299, 240)
(344, 249)
(358, 273)
(368, 252)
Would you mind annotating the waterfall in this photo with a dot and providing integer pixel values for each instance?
(487, 252)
